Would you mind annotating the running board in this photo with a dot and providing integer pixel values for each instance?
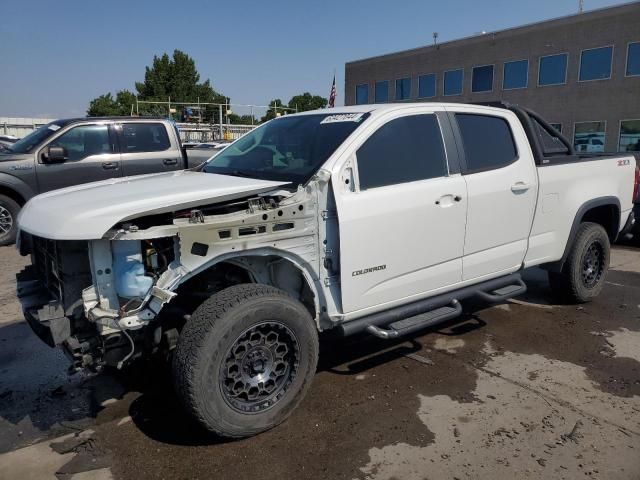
(409, 318)
(418, 322)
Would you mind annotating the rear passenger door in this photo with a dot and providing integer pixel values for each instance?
(147, 148)
(401, 214)
(502, 187)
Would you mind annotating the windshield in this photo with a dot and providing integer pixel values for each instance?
(37, 137)
(289, 149)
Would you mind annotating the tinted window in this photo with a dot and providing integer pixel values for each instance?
(557, 126)
(633, 59)
(487, 141)
(629, 136)
(553, 70)
(549, 140)
(516, 74)
(404, 150)
(427, 86)
(482, 79)
(84, 141)
(595, 64)
(382, 91)
(588, 137)
(289, 149)
(37, 137)
(403, 88)
(144, 137)
(362, 94)
(453, 82)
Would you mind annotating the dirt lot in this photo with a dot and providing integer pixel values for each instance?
(526, 389)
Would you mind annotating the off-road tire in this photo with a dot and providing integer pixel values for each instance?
(9, 209)
(571, 283)
(206, 341)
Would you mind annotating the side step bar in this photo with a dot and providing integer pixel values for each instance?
(431, 311)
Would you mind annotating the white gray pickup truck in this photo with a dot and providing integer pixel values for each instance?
(377, 219)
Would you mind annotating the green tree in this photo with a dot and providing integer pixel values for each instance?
(274, 105)
(172, 78)
(306, 102)
(242, 119)
(106, 105)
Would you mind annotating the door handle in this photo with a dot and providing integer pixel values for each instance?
(110, 165)
(520, 187)
(445, 200)
(170, 161)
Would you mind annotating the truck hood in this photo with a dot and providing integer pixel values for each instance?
(88, 211)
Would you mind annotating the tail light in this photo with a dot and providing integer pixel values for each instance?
(636, 185)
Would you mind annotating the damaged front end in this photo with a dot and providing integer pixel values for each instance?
(105, 301)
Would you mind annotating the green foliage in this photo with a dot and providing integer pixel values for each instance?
(106, 105)
(306, 102)
(174, 78)
(242, 119)
(271, 111)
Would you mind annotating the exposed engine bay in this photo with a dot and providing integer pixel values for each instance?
(110, 300)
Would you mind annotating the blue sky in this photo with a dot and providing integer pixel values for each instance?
(58, 55)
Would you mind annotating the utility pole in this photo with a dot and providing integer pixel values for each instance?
(580, 6)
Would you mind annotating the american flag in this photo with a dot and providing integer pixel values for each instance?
(332, 95)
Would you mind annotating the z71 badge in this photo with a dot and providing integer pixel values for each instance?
(624, 163)
(368, 270)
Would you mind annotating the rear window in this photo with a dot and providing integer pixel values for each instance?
(144, 137)
(488, 143)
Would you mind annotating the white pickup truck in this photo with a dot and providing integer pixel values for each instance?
(377, 219)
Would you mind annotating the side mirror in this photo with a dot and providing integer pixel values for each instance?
(55, 155)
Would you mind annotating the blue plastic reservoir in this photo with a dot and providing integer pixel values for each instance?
(128, 269)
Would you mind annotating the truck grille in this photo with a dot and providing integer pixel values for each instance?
(62, 268)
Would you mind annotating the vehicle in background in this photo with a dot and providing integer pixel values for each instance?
(589, 145)
(201, 152)
(375, 218)
(6, 141)
(69, 152)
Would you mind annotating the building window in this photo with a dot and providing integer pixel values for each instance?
(595, 64)
(629, 140)
(588, 137)
(403, 88)
(453, 82)
(482, 79)
(427, 86)
(515, 75)
(362, 94)
(633, 59)
(557, 126)
(415, 145)
(483, 155)
(382, 91)
(553, 70)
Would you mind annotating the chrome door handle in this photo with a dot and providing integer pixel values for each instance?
(520, 187)
(170, 161)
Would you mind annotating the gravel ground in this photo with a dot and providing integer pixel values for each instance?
(527, 389)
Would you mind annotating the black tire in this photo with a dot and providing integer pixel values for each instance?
(585, 270)
(211, 346)
(9, 209)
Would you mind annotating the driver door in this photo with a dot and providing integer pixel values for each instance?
(402, 227)
(91, 155)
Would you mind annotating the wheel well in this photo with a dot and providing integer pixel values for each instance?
(269, 270)
(606, 215)
(12, 194)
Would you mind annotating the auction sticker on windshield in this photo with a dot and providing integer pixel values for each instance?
(343, 117)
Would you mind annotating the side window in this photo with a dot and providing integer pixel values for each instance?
(83, 141)
(487, 140)
(404, 150)
(144, 137)
(550, 141)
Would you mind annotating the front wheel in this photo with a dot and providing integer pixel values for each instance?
(9, 209)
(245, 359)
(584, 272)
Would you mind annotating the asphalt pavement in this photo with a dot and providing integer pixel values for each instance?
(526, 389)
